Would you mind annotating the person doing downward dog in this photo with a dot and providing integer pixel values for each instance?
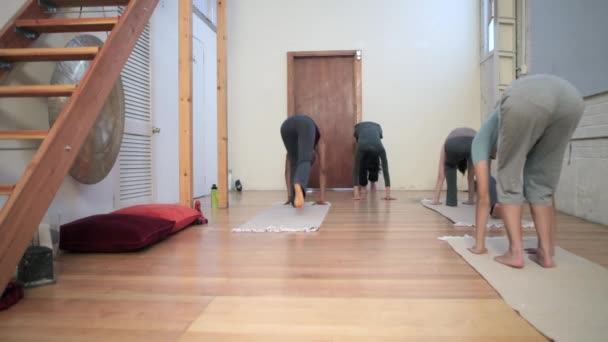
(529, 131)
(303, 141)
(370, 157)
(455, 155)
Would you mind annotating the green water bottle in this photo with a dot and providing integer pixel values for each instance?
(213, 196)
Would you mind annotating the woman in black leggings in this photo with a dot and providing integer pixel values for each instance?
(302, 140)
(455, 155)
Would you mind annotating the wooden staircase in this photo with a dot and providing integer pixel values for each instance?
(29, 199)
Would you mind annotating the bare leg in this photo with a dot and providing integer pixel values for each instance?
(543, 220)
(512, 218)
(372, 187)
(497, 213)
(553, 233)
(298, 201)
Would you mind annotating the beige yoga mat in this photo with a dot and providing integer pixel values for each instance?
(464, 215)
(285, 218)
(566, 303)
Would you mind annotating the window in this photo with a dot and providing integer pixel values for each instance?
(490, 20)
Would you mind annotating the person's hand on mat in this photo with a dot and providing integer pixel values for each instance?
(478, 250)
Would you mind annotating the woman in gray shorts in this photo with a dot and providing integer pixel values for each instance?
(455, 155)
(528, 134)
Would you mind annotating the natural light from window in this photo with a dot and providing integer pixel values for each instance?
(491, 35)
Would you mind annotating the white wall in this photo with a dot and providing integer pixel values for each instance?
(556, 29)
(583, 189)
(204, 74)
(165, 105)
(420, 76)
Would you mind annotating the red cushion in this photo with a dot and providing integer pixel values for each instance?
(11, 295)
(183, 216)
(113, 233)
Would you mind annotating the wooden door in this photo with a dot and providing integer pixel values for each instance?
(327, 87)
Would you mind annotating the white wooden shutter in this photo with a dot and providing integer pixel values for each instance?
(134, 184)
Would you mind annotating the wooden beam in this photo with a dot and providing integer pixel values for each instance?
(358, 95)
(23, 135)
(290, 86)
(222, 107)
(6, 189)
(86, 3)
(186, 192)
(9, 38)
(86, 53)
(38, 90)
(67, 25)
(24, 209)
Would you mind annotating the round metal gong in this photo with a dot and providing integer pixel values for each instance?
(100, 150)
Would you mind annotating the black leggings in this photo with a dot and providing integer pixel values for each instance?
(298, 133)
(457, 152)
(370, 169)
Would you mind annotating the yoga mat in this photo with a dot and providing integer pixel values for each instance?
(285, 218)
(464, 215)
(565, 303)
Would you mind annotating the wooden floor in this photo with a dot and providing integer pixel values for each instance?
(374, 272)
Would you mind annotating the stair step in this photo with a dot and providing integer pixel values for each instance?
(86, 3)
(38, 90)
(6, 189)
(67, 25)
(23, 135)
(48, 54)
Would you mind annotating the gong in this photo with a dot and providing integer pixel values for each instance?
(100, 150)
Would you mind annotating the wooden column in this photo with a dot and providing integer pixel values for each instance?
(222, 105)
(185, 103)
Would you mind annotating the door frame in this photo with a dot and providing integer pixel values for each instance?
(357, 57)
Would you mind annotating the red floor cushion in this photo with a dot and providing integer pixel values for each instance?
(11, 295)
(113, 233)
(181, 215)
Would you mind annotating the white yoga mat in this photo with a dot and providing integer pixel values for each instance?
(464, 215)
(285, 218)
(565, 303)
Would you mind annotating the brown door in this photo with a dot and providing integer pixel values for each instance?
(326, 86)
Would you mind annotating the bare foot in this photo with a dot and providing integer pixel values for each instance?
(357, 198)
(509, 259)
(435, 203)
(478, 250)
(298, 201)
(542, 259)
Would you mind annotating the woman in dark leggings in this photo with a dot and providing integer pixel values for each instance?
(302, 140)
(455, 155)
(369, 153)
